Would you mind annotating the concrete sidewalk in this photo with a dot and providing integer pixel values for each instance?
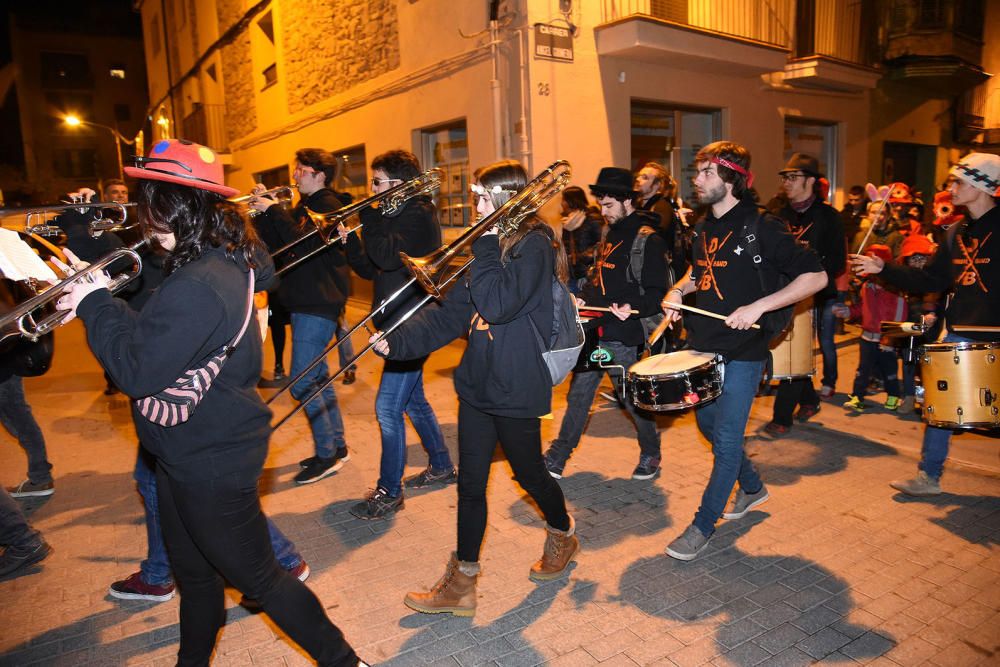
(836, 567)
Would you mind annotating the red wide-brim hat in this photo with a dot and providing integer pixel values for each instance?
(185, 163)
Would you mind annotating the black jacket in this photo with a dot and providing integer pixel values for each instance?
(671, 229)
(821, 227)
(581, 243)
(199, 308)
(725, 277)
(611, 284)
(320, 285)
(414, 230)
(970, 266)
(502, 371)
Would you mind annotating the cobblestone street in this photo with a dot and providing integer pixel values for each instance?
(836, 567)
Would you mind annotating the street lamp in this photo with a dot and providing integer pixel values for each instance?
(73, 120)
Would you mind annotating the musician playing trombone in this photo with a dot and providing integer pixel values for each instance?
(315, 293)
(413, 229)
(503, 384)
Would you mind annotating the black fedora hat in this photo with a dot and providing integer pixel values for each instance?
(614, 181)
(807, 164)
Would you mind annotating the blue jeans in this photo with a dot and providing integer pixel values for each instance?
(400, 392)
(937, 441)
(16, 417)
(723, 422)
(155, 569)
(582, 389)
(346, 349)
(310, 336)
(827, 346)
(15, 532)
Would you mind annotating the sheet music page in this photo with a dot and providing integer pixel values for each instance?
(19, 262)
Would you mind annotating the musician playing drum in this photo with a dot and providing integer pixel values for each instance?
(968, 264)
(724, 281)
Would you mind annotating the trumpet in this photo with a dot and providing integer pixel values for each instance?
(281, 193)
(436, 271)
(108, 216)
(34, 318)
(390, 203)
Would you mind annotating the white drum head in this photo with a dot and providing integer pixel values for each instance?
(674, 362)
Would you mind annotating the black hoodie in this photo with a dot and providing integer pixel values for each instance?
(199, 308)
(319, 286)
(611, 282)
(969, 265)
(502, 371)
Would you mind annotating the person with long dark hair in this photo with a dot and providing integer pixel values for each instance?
(503, 388)
(207, 466)
(581, 233)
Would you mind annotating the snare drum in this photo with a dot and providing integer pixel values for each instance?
(674, 381)
(793, 353)
(961, 384)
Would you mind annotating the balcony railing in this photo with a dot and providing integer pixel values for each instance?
(206, 125)
(834, 30)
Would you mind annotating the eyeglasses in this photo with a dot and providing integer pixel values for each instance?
(788, 178)
(379, 181)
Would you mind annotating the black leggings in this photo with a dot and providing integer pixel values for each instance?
(521, 440)
(279, 320)
(214, 529)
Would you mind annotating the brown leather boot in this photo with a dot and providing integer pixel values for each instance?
(454, 593)
(560, 548)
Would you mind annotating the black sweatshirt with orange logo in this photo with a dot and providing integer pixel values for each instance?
(970, 267)
(726, 278)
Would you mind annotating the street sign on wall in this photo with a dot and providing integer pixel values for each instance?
(553, 42)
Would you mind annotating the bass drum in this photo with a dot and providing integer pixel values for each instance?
(961, 384)
(674, 381)
(792, 354)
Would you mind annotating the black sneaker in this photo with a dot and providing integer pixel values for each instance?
(430, 476)
(648, 467)
(349, 377)
(341, 455)
(14, 559)
(318, 469)
(378, 504)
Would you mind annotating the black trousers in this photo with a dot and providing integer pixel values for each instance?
(521, 440)
(215, 529)
(792, 393)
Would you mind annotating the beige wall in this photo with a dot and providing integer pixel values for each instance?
(437, 75)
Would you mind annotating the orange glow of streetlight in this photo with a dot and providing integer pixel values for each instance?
(72, 120)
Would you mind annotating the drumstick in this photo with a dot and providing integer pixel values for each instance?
(974, 327)
(657, 332)
(876, 220)
(602, 309)
(709, 313)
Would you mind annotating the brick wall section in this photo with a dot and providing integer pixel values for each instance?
(330, 47)
(237, 73)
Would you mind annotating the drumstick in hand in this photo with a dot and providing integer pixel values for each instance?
(700, 311)
(603, 309)
(657, 332)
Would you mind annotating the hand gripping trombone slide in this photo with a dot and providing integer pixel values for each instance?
(436, 271)
(390, 204)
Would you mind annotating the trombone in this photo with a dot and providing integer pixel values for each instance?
(390, 204)
(108, 216)
(436, 271)
(29, 318)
